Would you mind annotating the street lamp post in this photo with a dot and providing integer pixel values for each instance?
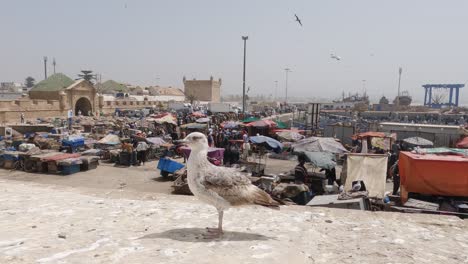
(244, 38)
(287, 70)
(400, 70)
(45, 67)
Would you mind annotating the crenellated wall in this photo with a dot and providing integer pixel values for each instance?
(10, 111)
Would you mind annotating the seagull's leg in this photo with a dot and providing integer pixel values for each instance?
(220, 221)
(216, 232)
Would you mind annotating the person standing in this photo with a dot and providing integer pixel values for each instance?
(141, 149)
(300, 171)
(396, 178)
(210, 140)
(22, 118)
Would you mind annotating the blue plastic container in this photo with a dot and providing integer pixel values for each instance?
(169, 165)
(70, 169)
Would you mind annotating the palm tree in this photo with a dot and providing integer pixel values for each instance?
(87, 75)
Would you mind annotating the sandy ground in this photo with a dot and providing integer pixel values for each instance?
(58, 224)
(109, 177)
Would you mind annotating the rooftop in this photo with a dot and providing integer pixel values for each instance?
(55, 82)
(111, 86)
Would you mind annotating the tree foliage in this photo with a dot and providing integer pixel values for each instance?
(191, 98)
(87, 75)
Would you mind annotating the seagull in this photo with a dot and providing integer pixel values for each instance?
(333, 56)
(220, 187)
(298, 20)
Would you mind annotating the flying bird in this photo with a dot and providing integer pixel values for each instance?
(298, 20)
(334, 56)
(220, 187)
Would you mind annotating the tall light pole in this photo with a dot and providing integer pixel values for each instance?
(45, 67)
(400, 70)
(287, 70)
(276, 90)
(244, 38)
(54, 63)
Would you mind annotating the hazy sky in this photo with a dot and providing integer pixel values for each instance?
(139, 41)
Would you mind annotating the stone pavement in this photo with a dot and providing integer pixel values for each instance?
(49, 224)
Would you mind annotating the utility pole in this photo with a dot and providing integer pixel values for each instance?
(287, 70)
(244, 38)
(400, 70)
(53, 63)
(45, 67)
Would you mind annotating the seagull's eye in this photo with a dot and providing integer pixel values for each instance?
(196, 138)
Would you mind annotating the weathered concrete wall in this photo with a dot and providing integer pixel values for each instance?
(169, 229)
(203, 90)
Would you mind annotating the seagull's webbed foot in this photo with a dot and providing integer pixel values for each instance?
(212, 233)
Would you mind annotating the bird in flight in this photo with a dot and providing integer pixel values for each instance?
(220, 187)
(298, 20)
(335, 57)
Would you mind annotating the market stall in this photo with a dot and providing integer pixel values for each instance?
(432, 174)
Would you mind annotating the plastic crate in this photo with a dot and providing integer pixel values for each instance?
(70, 169)
(73, 144)
(169, 165)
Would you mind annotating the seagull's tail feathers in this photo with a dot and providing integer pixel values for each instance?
(264, 199)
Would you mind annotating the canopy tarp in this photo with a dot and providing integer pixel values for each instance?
(454, 151)
(168, 118)
(369, 134)
(324, 160)
(250, 119)
(418, 142)
(230, 124)
(433, 174)
(371, 169)
(156, 141)
(269, 142)
(203, 120)
(198, 114)
(262, 123)
(289, 135)
(319, 144)
(281, 124)
(194, 126)
(110, 140)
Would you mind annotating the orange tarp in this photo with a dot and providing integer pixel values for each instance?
(433, 174)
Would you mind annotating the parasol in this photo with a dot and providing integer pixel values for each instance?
(319, 144)
(269, 142)
(324, 160)
(418, 142)
(203, 120)
(230, 124)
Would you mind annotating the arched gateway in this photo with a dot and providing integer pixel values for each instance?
(84, 105)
